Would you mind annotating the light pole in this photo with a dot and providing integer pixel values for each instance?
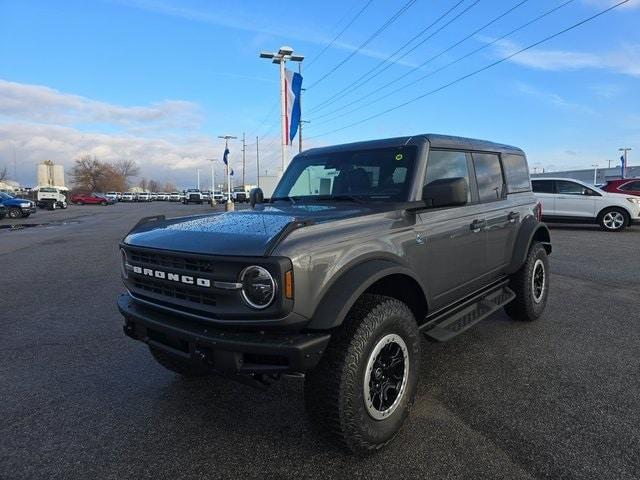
(281, 57)
(213, 180)
(624, 151)
(198, 172)
(229, 205)
(595, 173)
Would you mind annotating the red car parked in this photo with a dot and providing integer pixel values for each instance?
(627, 186)
(89, 198)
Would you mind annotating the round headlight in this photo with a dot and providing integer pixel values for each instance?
(258, 287)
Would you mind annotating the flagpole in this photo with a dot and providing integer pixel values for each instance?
(228, 206)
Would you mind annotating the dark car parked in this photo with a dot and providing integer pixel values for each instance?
(626, 186)
(17, 207)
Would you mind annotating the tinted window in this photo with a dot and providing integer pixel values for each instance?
(516, 172)
(488, 176)
(447, 164)
(542, 186)
(570, 188)
(631, 186)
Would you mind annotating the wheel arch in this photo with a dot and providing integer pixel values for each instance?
(380, 276)
(531, 230)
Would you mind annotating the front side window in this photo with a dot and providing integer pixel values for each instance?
(488, 176)
(571, 188)
(448, 164)
(378, 174)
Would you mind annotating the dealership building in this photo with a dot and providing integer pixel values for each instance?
(586, 175)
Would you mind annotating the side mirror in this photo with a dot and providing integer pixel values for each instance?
(446, 192)
(255, 196)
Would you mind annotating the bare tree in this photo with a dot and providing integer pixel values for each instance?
(170, 187)
(127, 169)
(144, 185)
(153, 186)
(88, 173)
(3, 173)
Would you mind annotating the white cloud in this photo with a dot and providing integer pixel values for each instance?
(552, 98)
(625, 60)
(43, 104)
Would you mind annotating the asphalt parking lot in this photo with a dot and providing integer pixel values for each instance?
(557, 398)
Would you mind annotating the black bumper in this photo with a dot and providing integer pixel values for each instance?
(229, 352)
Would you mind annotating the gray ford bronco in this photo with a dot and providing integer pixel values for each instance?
(361, 248)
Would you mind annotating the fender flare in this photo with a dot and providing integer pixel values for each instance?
(530, 230)
(338, 299)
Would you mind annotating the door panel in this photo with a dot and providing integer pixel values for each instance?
(571, 200)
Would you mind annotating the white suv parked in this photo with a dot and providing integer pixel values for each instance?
(572, 201)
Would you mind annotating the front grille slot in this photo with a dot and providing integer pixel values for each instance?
(175, 291)
(170, 261)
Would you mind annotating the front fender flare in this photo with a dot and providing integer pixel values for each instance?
(335, 304)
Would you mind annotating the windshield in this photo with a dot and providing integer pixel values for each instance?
(379, 174)
(5, 196)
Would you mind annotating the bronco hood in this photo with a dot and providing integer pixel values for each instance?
(246, 232)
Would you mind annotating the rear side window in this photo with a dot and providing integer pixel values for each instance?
(488, 176)
(516, 173)
(542, 186)
(448, 164)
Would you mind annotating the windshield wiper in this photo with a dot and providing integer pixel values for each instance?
(352, 198)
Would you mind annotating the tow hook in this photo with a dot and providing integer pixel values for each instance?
(129, 330)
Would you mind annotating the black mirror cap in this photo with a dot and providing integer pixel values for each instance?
(446, 192)
(256, 196)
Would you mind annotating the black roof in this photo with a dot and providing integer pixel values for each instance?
(435, 141)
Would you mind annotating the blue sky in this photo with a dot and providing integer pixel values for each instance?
(159, 80)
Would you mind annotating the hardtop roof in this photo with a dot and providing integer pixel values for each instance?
(435, 141)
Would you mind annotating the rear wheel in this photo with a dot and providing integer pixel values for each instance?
(362, 390)
(531, 286)
(178, 365)
(613, 220)
(103, 203)
(79, 203)
(15, 213)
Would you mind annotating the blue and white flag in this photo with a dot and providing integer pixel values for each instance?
(224, 157)
(293, 89)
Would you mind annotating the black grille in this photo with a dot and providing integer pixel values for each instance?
(194, 196)
(175, 291)
(170, 261)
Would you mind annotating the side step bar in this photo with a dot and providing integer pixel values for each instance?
(449, 324)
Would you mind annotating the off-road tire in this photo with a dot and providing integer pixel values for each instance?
(528, 304)
(183, 367)
(15, 213)
(335, 390)
(606, 222)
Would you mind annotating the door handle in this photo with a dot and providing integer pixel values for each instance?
(513, 216)
(478, 225)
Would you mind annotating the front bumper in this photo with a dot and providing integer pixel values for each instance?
(229, 352)
(28, 210)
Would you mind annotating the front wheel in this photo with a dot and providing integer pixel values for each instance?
(531, 286)
(363, 388)
(613, 220)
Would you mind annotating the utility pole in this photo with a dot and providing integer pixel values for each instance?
(213, 180)
(257, 162)
(595, 173)
(280, 58)
(228, 207)
(624, 151)
(198, 172)
(244, 147)
(609, 163)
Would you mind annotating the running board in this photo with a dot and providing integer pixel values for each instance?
(449, 324)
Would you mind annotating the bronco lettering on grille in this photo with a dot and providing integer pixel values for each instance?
(174, 277)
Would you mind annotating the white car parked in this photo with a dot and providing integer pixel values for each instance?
(572, 201)
(128, 197)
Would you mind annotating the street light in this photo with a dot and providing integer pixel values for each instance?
(281, 57)
(595, 173)
(229, 205)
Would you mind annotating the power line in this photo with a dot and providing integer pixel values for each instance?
(475, 72)
(356, 84)
(330, 44)
(384, 26)
(426, 62)
(430, 74)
